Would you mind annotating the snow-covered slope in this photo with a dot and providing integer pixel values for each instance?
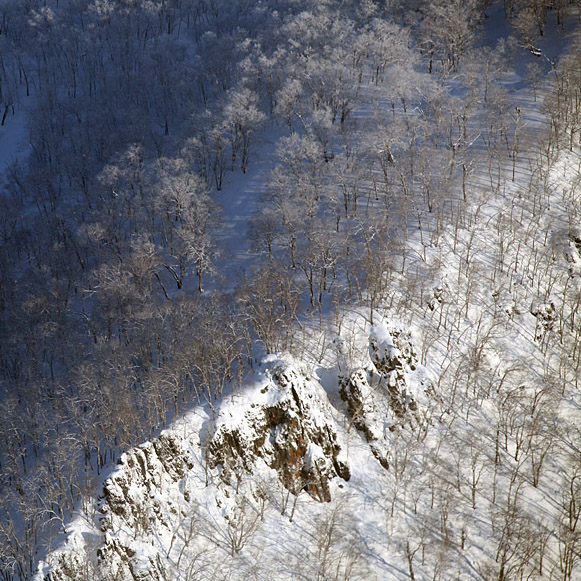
(209, 493)
(440, 441)
(362, 466)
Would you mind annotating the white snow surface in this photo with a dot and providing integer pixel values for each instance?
(165, 505)
(198, 526)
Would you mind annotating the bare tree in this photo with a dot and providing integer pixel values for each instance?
(242, 117)
(569, 521)
(271, 301)
(189, 215)
(448, 29)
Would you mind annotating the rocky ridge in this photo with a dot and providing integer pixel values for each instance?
(199, 483)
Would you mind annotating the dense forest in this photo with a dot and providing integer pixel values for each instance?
(396, 145)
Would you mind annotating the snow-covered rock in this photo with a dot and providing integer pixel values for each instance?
(381, 397)
(287, 423)
(128, 508)
(147, 515)
(148, 468)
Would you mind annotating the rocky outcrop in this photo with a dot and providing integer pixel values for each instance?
(148, 517)
(379, 397)
(127, 509)
(130, 495)
(288, 426)
(146, 469)
(393, 355)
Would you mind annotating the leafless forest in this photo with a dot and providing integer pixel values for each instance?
(396, 131)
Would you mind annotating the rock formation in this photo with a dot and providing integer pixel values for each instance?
(290, 429)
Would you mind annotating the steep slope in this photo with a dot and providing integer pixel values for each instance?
(363, 465)
(442, 447)
(205, 491)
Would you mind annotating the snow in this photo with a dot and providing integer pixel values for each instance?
(240, 198)
(278, 533)
(427, 496)
(385, 347)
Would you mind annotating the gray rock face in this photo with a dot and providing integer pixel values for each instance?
(378, 398)
(290, 430)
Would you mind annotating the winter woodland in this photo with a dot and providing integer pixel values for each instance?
(290, 289)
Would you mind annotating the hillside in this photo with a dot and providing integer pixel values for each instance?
(373, 476)
(290, 290)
